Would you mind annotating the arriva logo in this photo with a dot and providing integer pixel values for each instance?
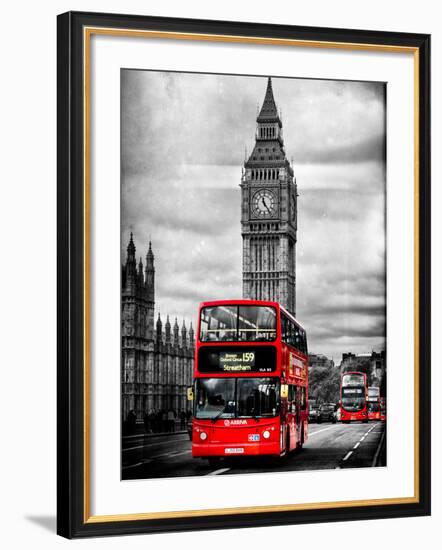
(235, 422)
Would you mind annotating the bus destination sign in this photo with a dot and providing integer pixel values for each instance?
(236, 361)
(352, 391)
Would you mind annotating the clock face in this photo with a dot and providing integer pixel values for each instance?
(264, 203)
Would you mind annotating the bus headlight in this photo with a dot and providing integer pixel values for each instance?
(203, 436)
(266, 434)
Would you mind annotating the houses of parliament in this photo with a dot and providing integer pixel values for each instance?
(157, 360)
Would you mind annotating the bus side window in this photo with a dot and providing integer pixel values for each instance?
(286, 330)
(292, 398)
(283, 328)
(291, 334)
(304, 342)
(299, 340)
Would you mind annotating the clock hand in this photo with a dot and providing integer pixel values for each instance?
(265, 204)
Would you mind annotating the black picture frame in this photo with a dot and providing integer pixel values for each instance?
(72, 508)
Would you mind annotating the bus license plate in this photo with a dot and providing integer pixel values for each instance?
(234, 450)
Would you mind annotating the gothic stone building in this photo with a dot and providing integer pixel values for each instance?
(156, 363)
(269, 213)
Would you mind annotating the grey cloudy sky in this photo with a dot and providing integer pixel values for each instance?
(183, 145)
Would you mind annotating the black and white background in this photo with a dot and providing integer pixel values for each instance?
(184, 139)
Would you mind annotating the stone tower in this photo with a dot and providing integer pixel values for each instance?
(269, 213)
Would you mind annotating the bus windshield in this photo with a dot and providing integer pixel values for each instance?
(353, 404)
(231, 323)
(353, 398)
(236, 397)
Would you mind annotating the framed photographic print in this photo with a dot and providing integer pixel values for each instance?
(243, 265)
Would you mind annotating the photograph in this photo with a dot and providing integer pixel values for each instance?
(253, 274)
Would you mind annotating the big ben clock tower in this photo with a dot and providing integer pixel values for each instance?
(269, 214)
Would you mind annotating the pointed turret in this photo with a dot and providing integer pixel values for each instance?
(184, 335)
(140, 271)
(131, 248)
(159, 328)
(269, 111)
(149, 278)
(150, 257)
(131, 265)
(168, 331)
(191, 334)
(176, 333)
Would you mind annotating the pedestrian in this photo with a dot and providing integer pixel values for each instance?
(131, 421)
(171, 420)
(152, 420)
(147, 422)
(182, 420)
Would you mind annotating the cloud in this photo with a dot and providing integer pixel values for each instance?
(183, 146)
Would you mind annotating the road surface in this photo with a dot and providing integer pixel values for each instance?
(329, 446)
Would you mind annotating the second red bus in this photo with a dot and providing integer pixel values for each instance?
(353, 397)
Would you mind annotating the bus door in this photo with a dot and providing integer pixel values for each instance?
(299, 393)
(291, 414)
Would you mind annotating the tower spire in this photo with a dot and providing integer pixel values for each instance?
(176, 332)
(168, 333)
(131, 248)
(159, 328)
(269, 111)
(149, 270)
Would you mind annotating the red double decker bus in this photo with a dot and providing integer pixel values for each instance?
(250, 382)
(354, 397)
(374, 403)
